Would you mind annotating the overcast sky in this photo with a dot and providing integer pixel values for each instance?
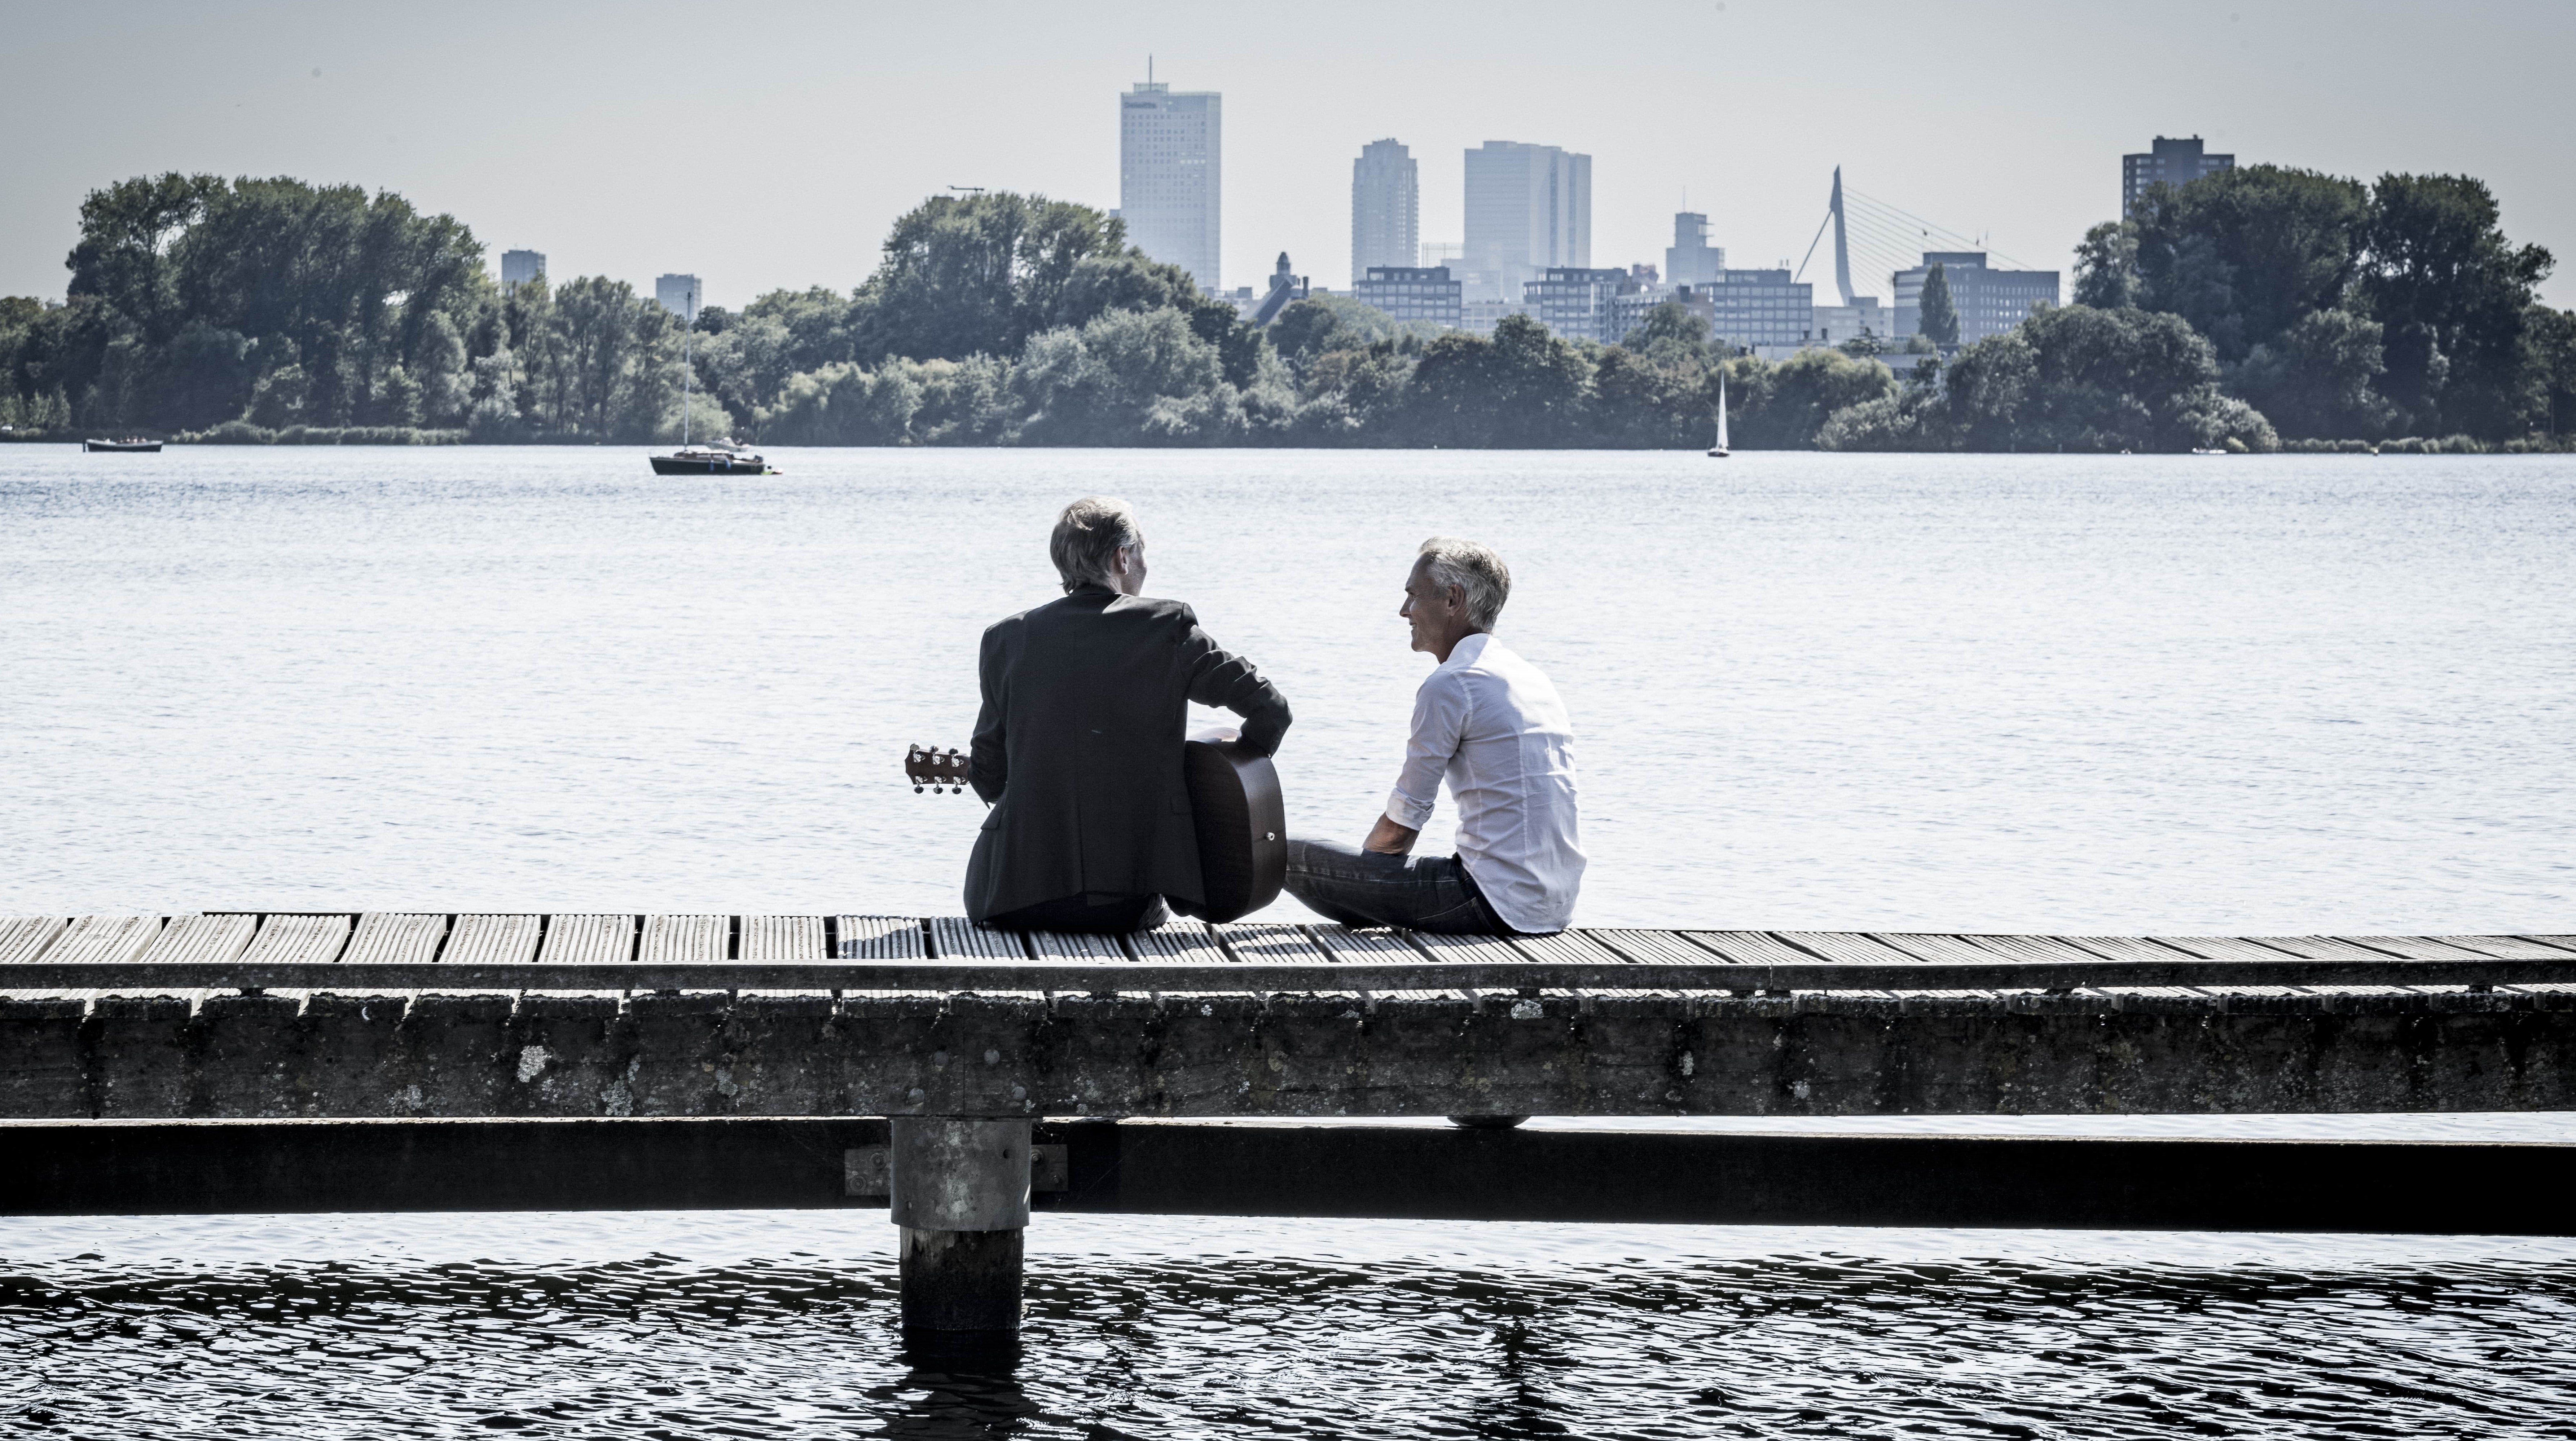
(768, 145)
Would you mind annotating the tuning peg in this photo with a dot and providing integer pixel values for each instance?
(916, 790)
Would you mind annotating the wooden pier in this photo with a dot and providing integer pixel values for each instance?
(964, 1038)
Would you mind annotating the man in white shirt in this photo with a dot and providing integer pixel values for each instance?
(1486, 720)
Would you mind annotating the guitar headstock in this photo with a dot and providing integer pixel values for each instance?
(934, 768)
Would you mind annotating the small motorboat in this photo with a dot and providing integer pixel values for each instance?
(723, 459)
(132, 442)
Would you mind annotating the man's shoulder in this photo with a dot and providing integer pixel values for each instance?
(1490, 660)
(1496, 670)
(1074, 609)
(1177, 611)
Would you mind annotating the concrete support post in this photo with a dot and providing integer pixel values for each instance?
(960, 1199)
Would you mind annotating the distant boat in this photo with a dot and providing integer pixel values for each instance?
(134, 443)
(2205, 450)
(721, 459)
(1719, 451)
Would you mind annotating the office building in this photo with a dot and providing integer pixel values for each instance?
(1412, 292)
(1482, 315)
(1450, 253)
(2170, 162)
(1835, 324)
(1761, 309)
(1529, 210)
(1171, 176)
(1691, 260)
(518, 267)
(1989, 301)
(1629, 309)
(678, 295)
(1386, 209)
(1575, 301)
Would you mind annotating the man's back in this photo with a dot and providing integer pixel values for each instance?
(1079, 747)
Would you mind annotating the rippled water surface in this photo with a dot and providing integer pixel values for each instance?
(2250, 695)
(771, 1324)
(2122, 693)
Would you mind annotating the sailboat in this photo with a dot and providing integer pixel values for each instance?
(1718, 451)
(721, 458)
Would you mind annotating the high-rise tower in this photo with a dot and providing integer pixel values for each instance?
(1691, 260)
(1171, 175)
(2167, 162)
(1386, 208)
(1529, 209)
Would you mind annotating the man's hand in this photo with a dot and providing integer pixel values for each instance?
(1388, 838)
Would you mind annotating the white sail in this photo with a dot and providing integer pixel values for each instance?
(1721, 410)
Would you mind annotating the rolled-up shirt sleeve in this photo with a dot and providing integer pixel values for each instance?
(1440, 711)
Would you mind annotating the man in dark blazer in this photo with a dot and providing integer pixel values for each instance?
(1078, 746)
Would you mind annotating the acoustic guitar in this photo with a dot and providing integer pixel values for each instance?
(1234, 801)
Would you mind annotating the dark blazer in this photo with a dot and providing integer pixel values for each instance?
(1079, 749)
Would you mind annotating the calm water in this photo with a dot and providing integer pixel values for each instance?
(2250, 695)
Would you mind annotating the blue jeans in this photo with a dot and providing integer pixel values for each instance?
(1370, 888)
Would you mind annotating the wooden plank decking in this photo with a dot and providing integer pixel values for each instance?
(423, 1015)
(594, 939)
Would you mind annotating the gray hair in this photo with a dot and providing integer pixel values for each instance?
(1475, 568)
(1087, 537)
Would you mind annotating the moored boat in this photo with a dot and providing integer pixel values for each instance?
(710, 460)
(131, 442)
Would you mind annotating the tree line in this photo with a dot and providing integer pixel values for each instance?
(2243, 308)
(2349, 311)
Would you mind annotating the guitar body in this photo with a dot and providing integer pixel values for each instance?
(1234, 801)
(1242, 825)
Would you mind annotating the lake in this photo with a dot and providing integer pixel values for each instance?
(2168, 694)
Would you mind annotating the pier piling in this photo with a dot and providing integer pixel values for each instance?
(960, 1203)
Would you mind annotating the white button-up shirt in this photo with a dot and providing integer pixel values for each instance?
(1487, 720)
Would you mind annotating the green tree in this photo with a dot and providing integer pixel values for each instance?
(2106, 266)
(1937, 319)
(817, 324)
(2317, 377)
(1353, 395)
(1669, 334)
(1523, 388)
(977, 274)
(206, 376)
(2551, 335)
(192, 288)
(1320, 325)
(2071, 378)
(1126, 378)
(127, 232)
(1785, 406)
(841, 404)
(2455, 297)
(1239, 343)
(1639, 402)
(2244, 253)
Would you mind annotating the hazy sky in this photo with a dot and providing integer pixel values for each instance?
(767, 145)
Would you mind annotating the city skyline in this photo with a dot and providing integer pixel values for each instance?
(537, 150)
